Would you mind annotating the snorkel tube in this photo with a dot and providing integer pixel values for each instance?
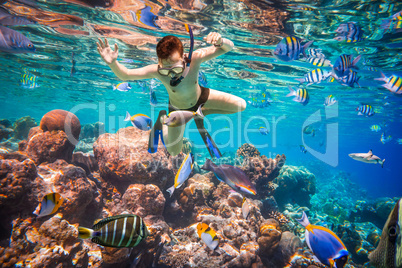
(175, 81)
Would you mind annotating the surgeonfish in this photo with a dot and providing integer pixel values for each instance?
(124, 87)
(289, 48)
(385, 139)
(314, 77)
(367, 158)
(325, 244)
(140, 121)
(388, 253)
(366, 110)
(232, 176)
(375, 128)
(245, 208)
(14, 42)
(49, 205)
(182, 117)
(319, 61)
(303, 149)
(392, 83)
(343, 63)
(263, 130)
(120, 231)
(182, 174)
(207, 235)
(330, 100)
(301, 95)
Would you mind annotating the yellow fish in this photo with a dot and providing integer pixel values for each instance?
(208, 235)
(49, 205)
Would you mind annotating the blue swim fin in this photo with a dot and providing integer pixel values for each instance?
(209, 143)
(155, 134)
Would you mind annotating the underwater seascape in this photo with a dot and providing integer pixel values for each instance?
(305, 126)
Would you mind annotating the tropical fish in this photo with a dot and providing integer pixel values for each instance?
(392, 83)
(120, 231)
(6, 19)
(319, 61)
(349, 32)
(309, 130)
(389, 250)
(301, 95)
(393, 24)
(314, 77)
(289, 48)
(182, 174)
(344, 63)
(29, 80)
(49, 205)
(399, 141)
(264, 130)
(207, 235)
(366, 110)
(350, 79)
(146, 16)
(202, 79)
(375, 128)
(153, 99)
(122, 87)
(14, 42)
(303, 149)
(140, 121)
(232, 176)
(182, 117)
(330, 100)
(367, 158)
(385, 139)
(325, 244)
(315, 52)
(245, 208)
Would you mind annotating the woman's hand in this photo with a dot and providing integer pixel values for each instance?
(108, 55)
(214, 38)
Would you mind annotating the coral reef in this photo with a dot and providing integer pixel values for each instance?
(22, 126)
(62, 120)
(248, 150)
(92, 130)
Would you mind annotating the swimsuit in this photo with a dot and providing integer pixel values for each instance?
(201, 100)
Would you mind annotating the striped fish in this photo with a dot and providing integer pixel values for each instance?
(330, 100)
(301, 95)
(303, 149)
(49, 205)
(319, 61)
(393, 24)
(375, 128)
(121, 231)
(207, 235)
(349, 32)
(392, 83)
(344, 63)
(314, 77)
(350, 79)
(315, 53)
(366, 110)
(289, 48)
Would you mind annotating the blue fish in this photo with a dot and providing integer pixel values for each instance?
(153, 99)
(344, 63)
(349, 32)
(182, 174)
(330, 100)
(202, 79)
(301, 95)
(145, 16)
(289, 48)
(263, 130)
(325, 244)
(122, 87)
(366, 110)
(14, 42)
(350, 79)
(303, 149)
(140, 121)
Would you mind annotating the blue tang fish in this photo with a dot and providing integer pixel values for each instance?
(14, 42)
(325, 244)
(182, 174)
(289, 48)
(122, 87)
(140, 121)
(232, 176)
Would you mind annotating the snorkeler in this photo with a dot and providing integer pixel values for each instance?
(178, 72)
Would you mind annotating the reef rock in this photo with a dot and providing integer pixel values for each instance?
(270, 235)
(5, 132)
(92, 130)
(86, 161)
(248, 150)
(123, 159)
(295, 185)
(22, 126)
(62, 120)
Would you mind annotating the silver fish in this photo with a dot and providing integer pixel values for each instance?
(181, 117)
(367, 158)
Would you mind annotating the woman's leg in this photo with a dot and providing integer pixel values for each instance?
(173, 137)
(223, 103)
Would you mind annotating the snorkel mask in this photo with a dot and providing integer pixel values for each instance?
(175, 81)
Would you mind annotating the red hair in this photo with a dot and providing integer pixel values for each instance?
(167, 46)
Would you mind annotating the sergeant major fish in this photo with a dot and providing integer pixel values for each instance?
(366, 110)
(392, 83)
(301, 95)
(314, 77)
(344, 63)
(289, 48)
(319, 61)
(330, 100)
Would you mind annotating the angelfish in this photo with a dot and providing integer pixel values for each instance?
(367, 158)
(49, 205)
(232, 176)
(182, 117)
(207, 235)
(388, 253)
(182, 174)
